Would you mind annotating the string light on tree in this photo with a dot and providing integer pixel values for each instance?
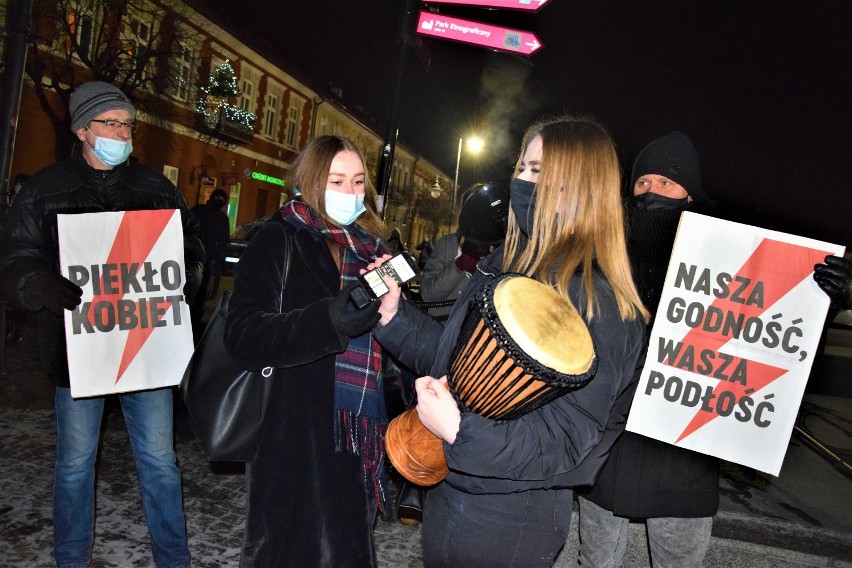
(221, 86)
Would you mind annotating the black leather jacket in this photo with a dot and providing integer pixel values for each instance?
(29, 241)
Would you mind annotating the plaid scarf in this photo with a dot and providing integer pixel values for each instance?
(360, 418)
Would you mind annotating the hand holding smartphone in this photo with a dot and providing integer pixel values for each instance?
(401, 268)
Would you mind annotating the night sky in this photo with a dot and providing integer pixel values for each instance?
(764, 89)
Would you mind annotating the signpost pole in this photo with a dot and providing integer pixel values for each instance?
(392, 126)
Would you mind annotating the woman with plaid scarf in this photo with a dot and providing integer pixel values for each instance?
(318, 478)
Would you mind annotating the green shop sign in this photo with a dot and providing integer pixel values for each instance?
(269, 179)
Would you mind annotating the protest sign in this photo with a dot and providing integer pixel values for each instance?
(132, 330)
(733, 342)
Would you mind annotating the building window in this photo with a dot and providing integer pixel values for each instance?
(294, 121)
(138, 47)
(270, 117)
(181, 77)
(247, 97)
(81, 26)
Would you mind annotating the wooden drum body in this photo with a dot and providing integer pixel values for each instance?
(521, 346)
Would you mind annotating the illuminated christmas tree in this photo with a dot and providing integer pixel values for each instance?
(222, 83)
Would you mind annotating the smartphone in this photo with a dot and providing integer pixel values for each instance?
(401, 268)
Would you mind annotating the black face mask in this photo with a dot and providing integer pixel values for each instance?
(522, 200)
(654, 201)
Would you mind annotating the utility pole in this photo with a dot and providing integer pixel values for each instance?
(406, 25)
(18, 27)
(15, 55)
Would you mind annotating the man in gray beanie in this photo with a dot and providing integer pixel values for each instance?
(98, 177)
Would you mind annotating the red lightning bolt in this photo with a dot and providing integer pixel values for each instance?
(137, 234)
(781, 266)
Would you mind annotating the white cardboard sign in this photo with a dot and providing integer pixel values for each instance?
(733, 342)
(132, 331)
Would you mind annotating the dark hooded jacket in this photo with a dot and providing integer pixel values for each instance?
(30, 243)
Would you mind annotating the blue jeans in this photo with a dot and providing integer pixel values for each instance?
(674, 542)
(148, 417)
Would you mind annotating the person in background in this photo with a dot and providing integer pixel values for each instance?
(215, 231)
(97, 177)
(425, 249)
(675, 490)
(482, 228)
(394, 243)
(318, 478)
(506, 500)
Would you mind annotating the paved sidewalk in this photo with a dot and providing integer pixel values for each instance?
(801, 518)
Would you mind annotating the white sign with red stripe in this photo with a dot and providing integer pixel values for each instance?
(132, 330)
(733, 341)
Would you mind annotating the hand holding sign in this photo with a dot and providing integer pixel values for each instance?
(54, 292)
(835, 279)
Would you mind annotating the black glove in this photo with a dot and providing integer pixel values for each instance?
(352, 323)
(54, 292)
(835, 279)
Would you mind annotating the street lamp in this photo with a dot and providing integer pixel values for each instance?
(436, 189)
(474, 145)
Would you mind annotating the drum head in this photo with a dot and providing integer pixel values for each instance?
(544, 325)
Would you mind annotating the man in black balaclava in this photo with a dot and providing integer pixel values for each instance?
(666, 180)
(675, 490)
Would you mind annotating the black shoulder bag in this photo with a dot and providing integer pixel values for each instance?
(226, 403)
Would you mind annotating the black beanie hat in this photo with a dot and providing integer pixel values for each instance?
(674, 157)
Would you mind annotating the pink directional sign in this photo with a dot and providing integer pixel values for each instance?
(526, 5)
(477, 33)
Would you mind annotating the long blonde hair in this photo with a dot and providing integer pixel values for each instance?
(310, 175)
(578, 222)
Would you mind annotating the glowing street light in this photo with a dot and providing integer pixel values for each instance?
(475, 145)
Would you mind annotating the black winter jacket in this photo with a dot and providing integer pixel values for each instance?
(30, 242)
(645, 477)
(562, 444)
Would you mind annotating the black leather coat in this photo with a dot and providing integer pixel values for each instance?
(30, 242)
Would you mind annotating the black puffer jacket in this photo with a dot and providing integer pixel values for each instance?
(646, 478)
(29, 243)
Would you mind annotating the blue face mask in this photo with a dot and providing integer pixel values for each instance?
(111, 152)
(344, 208)
(522, 200)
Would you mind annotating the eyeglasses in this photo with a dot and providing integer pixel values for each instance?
(115, 125)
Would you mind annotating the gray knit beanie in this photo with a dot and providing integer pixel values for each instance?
(91, 99)
(674, 157)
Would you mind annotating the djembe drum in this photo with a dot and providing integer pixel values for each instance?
(521, 346)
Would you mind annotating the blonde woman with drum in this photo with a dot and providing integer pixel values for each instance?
(507, 498)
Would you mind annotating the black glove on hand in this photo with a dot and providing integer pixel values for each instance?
(835, 279)
(352, 323)
(54, 292)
